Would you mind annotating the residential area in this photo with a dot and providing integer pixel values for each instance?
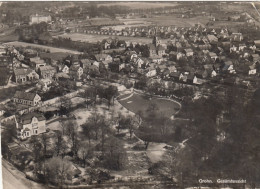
(130, 94)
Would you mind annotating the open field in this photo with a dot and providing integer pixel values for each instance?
(141, 5)
(52, 49)
(138, 102)
(90, 38)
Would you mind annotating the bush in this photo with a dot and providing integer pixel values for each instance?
(48, 115)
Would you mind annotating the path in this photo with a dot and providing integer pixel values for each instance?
(155, 151)
(14, 179)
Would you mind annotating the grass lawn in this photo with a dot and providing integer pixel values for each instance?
(139, 102)
(52, 49)
(93, 38)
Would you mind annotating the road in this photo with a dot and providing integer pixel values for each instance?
(14, 179)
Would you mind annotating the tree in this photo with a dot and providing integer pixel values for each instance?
(110, 93)
(58, 171)
(87, 130)
(115, 156)
(58, 142)
(37, 152)
(71, 130)
(127, 123)
(139, 115)
(94, 120)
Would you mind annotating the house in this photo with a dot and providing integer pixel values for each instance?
(191, 79)
(236, 37)
(213, 55)
(257, 43)
(75, 72)
(103, 57)
(233, 48)
(228, 66)
(152, 50)
(212, 39)
(179, 55)
(174, 75)
(61, 76)
(22, 75)
(47, 71)
(252, 70)
(202, 74)
(64, 69)
(30, 124)
(172, 69)
(173, 55)
(188, 52)
(44, 84)
(151, 73)
(241, 46)
(26, 98)
(160, 51)
(2, 110)
(255, 57)
(86, 62)
(37, 62)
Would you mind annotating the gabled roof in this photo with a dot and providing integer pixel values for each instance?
(62, 75)
(174, 74)
(188, 50)
(27, 118)
(87, 61)
(47, 68)
(161, 48)
(101, 56)
(75, 68)
(24, 95)
(22, 71)
(228, 63)
(151, 47)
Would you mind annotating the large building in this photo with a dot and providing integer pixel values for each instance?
(36, 19)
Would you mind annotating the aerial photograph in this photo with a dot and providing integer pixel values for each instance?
(130, 94)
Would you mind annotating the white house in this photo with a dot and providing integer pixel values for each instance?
(31, 124)
(151, 73)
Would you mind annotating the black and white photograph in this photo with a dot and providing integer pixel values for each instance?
(130, 94)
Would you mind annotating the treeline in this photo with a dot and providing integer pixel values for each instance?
(227, 148)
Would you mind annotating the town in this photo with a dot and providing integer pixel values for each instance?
(129, 94)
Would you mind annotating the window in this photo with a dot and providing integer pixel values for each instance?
(36, 132)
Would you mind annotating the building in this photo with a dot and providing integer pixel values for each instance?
(31, 124)
(76, 72)
(22, 75)
(25, 98)
(64, 69)
(44, 84)
(103, 57)
(37, 62)
(47, 71)
(36, 19)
